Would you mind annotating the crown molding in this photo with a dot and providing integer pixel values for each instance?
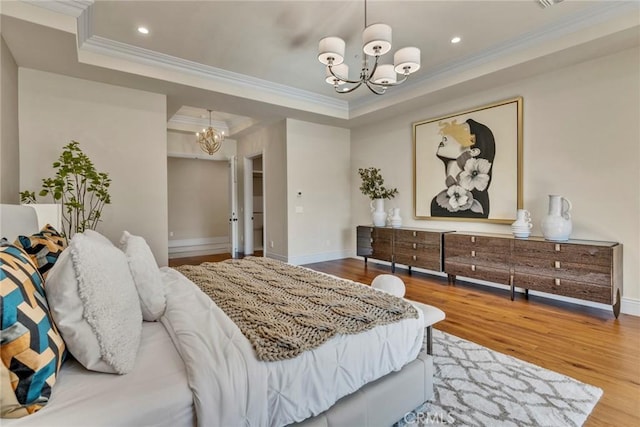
(73, 8)
(199, 123)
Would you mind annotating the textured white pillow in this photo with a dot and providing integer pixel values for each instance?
(94, 303)
(146, 276)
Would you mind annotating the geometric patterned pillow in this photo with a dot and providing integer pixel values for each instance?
(44, 247)
(31, 349)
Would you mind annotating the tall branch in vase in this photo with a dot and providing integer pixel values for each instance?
(78, 187)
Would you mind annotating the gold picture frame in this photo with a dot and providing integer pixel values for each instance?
(468, 165)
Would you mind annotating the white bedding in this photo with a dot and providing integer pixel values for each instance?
(155, 393)
(213, 368)
(231, 387)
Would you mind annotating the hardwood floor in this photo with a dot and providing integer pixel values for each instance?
(585, 343)
(195, 260)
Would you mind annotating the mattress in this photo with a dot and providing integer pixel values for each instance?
(155, 393)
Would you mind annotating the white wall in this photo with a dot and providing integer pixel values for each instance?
(9, 151)
(122, 130)
(270, 140)
(318, 166)
(580, 141)
(198, 197)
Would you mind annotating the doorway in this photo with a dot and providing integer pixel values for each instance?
(254, 212)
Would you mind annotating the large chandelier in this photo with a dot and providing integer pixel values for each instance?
(376, 41)
(210, 140)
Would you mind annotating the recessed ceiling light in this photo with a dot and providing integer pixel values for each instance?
(143, 30)
(455, 40)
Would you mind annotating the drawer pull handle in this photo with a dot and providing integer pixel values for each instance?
(557, 282)
(415, 246)
(414, 257)
(473, 253)
(414, 234)
(557, 248)
(557, 264)
(371, 240)
(473, 268)
(473, 239)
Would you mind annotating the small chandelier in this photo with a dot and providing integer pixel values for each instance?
(210, 140)
(376, 41)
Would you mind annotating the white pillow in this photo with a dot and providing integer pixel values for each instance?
(94, 303)
(146, 276)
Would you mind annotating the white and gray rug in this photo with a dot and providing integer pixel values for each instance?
(476, 386)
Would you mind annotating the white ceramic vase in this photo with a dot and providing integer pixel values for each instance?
(378, 215)
(395, 220)
(557, 226)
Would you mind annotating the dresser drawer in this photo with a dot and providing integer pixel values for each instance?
(470, 241)
(430, 261)
(477, 272)
(580, 254)
(416, 236)
(568, 288)
(594, 274)
(364, 232)
(477, 255)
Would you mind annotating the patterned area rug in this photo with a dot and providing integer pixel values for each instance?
(476, 386)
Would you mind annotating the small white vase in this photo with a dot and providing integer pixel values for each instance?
(378, 215)
(395, 220)
(557, 226)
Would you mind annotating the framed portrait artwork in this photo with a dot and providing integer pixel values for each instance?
(468, 165)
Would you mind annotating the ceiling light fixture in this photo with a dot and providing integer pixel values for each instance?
(210, 140)
(376, 41)
(143, 30)
(455, 40)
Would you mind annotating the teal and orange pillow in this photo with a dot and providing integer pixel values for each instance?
(44, 247)
(31, 349)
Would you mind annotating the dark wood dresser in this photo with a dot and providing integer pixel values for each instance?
(582, 269)
(413, 247)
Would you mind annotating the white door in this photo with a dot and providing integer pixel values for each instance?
(248, 206)
(233, 206)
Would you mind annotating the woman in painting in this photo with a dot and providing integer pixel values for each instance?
(467, 151)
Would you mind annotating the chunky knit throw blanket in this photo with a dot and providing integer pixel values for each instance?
(284, 310)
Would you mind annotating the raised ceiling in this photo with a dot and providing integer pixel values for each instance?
(252, 61)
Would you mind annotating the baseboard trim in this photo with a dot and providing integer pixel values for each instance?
(630, 306)
(312, 258)
(198, 246)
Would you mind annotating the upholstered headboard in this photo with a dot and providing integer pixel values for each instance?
(17, 220)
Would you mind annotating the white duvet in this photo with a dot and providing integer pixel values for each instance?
(231, 387)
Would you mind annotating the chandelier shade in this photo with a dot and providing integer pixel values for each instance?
(210, 139)
(376, 41)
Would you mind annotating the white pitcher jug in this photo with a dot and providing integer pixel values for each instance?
(557, 226)
(378, 215)
(523, 217)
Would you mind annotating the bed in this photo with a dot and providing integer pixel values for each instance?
(195, 367)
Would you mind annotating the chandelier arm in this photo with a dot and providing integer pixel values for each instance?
(340, 78)
(350, 89)
(398, 83)
(373, 71)
(375, 90)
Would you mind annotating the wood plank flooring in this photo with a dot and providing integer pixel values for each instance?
(585, 343)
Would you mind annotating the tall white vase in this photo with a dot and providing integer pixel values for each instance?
(557, 226)
(378, 215)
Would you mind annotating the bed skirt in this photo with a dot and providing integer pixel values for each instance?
(381, 402)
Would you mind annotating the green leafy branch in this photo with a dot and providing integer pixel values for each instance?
(78, 187)
(372, 184)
